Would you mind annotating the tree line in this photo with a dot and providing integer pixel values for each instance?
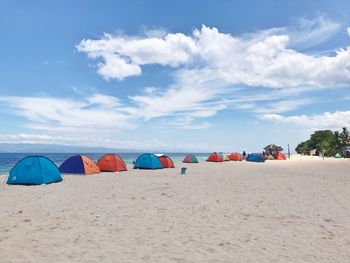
(325, 141)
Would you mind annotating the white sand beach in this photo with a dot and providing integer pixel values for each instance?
(278, 211)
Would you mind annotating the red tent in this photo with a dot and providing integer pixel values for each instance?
(235, 157)
(111, 163)
(215, 157)
(190, 158)
(279, 156)
(166, 161)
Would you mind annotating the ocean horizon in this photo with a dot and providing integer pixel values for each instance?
(8, 160)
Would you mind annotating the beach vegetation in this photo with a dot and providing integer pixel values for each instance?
(326, 141)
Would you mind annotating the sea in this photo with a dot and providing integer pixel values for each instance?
(8, 160)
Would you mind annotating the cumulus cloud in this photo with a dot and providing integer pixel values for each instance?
(211, 67)
(260, 72)
(348, 30)
(327, 120)
(258, 60)
(122, 56)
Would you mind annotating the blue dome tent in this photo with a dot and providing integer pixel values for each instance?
(255, 157)
(34, 170)
(148, 161)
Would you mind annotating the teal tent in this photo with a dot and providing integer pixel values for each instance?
(148, 161)
(34, 170)
(255, 157)
(338, 155)
(190, 158)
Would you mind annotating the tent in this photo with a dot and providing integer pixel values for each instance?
(148, 161)
(190, 158)
(166, 161)
(270, 157)
(79, 164)
(255, 157)
(235, 157)
(337, 155)
(215, 157)
(226, 158)
(279, 156)
(221, 155)
(34, 170)
(111, 163)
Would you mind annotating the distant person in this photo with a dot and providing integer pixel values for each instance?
(244, 154)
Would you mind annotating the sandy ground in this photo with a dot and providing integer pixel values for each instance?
(278, 211)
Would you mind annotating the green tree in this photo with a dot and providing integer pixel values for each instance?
(325, 140)
(304, 147)
(344, 137)
(337, 140)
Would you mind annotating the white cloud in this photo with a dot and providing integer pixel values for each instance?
(309, 33)
(283, 106)
(104, 101)
(211, 67)
(258, 60)
(122, 56)
(348, 30)
(327, 120)
(186, 122)
(259, 72)
(199, 126)
(184, 98)
(95, 113)
(154, 31)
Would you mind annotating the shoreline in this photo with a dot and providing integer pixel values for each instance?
(294, 157)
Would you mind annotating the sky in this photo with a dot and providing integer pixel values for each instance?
(173, 75)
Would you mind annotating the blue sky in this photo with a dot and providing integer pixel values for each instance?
(173, 75)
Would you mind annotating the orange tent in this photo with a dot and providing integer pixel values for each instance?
(166, 161)
(111, 163)
(90, 166)
(215, 157)
(79, 164)
(279, 156)
(235, 157)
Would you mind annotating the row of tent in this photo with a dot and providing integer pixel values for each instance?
(41, 170)
(81, 164)
(252, 157)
